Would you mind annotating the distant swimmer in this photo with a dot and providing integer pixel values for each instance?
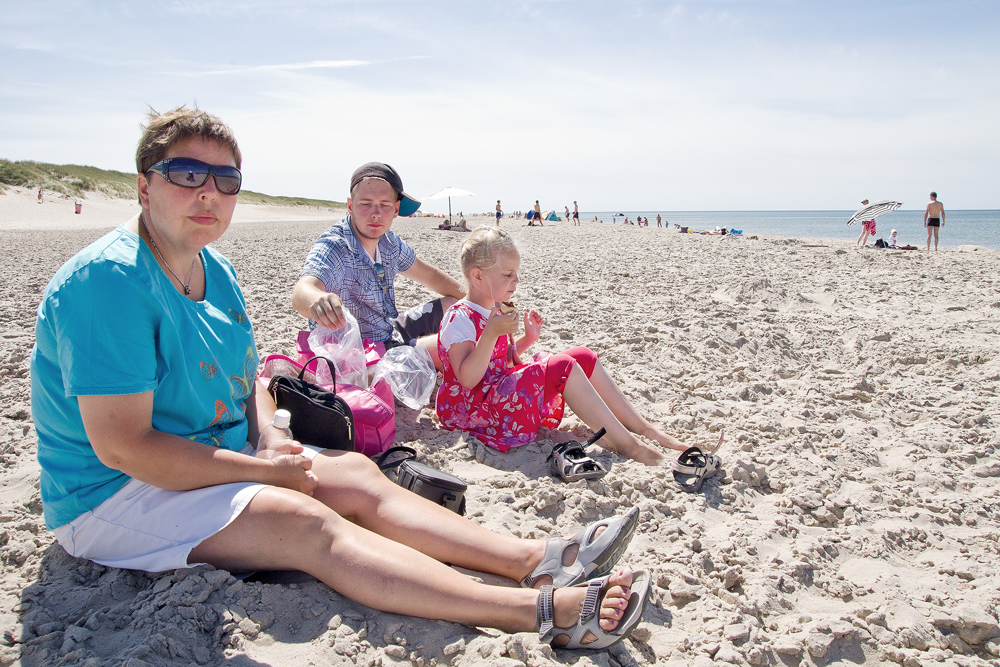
(933, 220)
(499, 213)
(576, 213)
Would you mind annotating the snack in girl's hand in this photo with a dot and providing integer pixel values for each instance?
(507, 307)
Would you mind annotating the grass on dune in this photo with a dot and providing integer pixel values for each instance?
(76, 181)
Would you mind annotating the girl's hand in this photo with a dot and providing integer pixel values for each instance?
(533, 325)
(499, 324)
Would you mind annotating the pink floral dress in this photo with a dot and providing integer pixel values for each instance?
(508, 406)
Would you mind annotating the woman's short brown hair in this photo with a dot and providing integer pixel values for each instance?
(166, 129)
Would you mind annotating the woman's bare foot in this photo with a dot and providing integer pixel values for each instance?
(568, 603)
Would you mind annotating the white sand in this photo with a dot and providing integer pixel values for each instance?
(857, 520)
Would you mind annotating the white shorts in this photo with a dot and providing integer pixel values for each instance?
(144, 527)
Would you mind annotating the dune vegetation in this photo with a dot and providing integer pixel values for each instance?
(77, 181)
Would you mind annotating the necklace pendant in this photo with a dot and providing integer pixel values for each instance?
(187, 290)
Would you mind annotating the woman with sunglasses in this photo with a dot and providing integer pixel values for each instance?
(155, 451)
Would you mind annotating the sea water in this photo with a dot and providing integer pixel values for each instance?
(980, 227)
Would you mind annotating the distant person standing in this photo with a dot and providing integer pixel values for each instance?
(867, 228)
(576, 214)
(39, 195)
(658, 220)
(499, 213)
(567, 213)
(933, 220)
(538, 215)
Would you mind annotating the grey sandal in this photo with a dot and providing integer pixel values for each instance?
(590, 617)
(693, 467)
(596, 557)
(569, 461)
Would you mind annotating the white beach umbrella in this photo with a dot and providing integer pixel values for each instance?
(872, 211)
(449, 192)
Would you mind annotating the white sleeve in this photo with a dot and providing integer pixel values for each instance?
(457, 329)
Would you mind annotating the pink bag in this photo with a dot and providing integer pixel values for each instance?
(374, 408)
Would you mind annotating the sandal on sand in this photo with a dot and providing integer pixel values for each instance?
(596, 557)
(569, 462)
(590, 615)
(693, 467)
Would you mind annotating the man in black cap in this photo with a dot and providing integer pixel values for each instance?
(353, 265)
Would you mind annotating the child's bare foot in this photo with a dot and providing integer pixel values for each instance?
(668, 441)
(568, 603)
(648, 455)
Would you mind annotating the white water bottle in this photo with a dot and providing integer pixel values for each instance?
(280, 421)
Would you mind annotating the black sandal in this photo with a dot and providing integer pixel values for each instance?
(569, 462)
(694, 466)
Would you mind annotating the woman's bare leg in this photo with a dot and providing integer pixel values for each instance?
(282, 529)
(354, 487)
(626, 413)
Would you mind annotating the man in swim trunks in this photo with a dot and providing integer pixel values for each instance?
(538, 216)
(933, 220)
(576, 213)
(499, 213)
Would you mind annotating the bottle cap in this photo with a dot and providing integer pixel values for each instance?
(282, 418)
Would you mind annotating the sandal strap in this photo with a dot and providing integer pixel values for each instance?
(592, 599)
(594, 438)
(545, 611)
(685, 469)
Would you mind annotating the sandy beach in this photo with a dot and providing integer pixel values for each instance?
(856, 519)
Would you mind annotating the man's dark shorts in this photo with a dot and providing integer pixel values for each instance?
(417, 322)
(933, 222)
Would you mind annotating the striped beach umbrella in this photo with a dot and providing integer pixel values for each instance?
(873, 211)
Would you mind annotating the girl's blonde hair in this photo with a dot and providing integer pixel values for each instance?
(484, 248)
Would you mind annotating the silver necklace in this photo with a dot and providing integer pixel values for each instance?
(187, 285)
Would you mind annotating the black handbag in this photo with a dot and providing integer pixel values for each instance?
(319, 417)
(437, 486)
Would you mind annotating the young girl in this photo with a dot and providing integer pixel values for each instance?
(487, 390)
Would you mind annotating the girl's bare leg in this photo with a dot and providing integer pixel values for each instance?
(583, 399)
(626, 413)
(282, 529)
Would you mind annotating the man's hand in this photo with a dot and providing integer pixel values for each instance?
(327, 309)
(310, 299)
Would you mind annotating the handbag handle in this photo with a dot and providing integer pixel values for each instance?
(333, 369)
(411, 454)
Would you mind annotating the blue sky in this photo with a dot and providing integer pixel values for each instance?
(629, 105)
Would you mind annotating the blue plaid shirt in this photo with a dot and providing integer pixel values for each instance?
(346, 270)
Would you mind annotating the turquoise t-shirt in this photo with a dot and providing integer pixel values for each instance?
(111, 323)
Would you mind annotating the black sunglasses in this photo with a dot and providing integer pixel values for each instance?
(190, 173)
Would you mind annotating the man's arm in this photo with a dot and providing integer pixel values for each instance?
(434, 279)
(927, 212)
(310, 299)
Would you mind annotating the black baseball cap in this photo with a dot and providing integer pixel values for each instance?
(407, 204)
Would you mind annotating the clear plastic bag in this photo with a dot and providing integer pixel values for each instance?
(344, 347)
(410, 373)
